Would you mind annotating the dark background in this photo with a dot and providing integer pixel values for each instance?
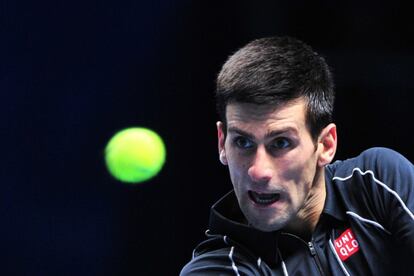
(72, 73)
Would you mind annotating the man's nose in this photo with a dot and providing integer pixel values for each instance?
(261, 168)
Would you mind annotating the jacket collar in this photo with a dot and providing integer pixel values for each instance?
(227, 219)
(333, 207)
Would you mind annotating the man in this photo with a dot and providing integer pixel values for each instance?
(292, 212)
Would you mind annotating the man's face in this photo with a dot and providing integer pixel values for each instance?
(272, 159)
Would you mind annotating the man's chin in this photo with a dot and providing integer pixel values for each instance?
(267, 227)
(265, 221)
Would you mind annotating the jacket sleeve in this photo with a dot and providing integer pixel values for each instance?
(224, 261)
(394, 178)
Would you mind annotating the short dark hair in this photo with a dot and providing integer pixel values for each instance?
(276, 70)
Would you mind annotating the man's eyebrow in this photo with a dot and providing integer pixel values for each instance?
(240, 132)
(269, 134)
(282, 131)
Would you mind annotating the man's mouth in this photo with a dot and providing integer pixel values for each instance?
(264, 198)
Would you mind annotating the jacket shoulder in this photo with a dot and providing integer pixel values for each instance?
(382, 162)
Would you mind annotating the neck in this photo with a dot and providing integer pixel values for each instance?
(308, 216)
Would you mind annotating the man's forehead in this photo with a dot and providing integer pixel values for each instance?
(246, 112)
(249, 110)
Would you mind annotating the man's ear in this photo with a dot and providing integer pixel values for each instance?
(327, 143)
(221, 141)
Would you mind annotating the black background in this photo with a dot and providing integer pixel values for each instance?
(72, 73)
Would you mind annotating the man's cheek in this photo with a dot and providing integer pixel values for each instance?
(291, 171)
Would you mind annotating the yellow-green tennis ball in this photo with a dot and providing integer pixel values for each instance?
(135, 155)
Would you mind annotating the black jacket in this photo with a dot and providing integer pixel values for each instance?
(366, 228)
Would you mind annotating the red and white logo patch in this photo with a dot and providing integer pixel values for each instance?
(346, 245)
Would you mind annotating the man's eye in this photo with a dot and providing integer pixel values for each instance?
(281, 143)
(243, 143)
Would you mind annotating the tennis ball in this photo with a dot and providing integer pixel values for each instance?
(135, 155)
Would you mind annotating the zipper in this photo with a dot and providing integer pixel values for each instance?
(314, 253)
(312, 250)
